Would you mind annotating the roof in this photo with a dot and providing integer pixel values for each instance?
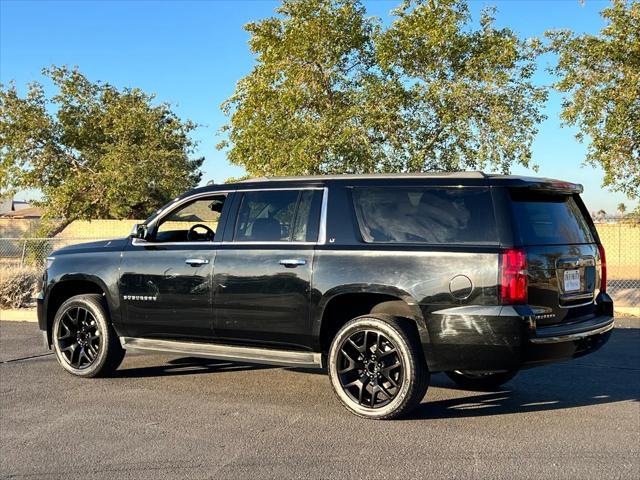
(377, 179)
(367, 176)
(470, 179)
(434, 178)
(30, 212)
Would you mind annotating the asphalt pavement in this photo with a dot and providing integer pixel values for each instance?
(165, 416)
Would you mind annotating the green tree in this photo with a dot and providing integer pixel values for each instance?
(600, 75)
(468, 101)
(622, 208)
(94, 151)
(299, 110)
(332, 92)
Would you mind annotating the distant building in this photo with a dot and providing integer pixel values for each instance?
(11, 208)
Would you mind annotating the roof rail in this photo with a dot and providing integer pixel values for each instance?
(470, 174)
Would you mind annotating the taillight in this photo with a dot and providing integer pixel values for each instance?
(513, 281)
(603, 269)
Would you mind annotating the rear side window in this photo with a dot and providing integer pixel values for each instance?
(544, 219)
(425, 215)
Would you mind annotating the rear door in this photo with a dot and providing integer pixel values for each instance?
(263, 269)
(562, 254)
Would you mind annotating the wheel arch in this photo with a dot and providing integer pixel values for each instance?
(339, 305)
(68, 287)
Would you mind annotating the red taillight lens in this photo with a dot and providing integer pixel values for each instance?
(513, 282)
(603, 269)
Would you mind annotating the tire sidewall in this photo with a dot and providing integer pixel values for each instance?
(97, 310)
(401, 343)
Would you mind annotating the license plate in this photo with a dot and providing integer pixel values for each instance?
(571, 280)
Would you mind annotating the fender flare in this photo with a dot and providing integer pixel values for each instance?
(380, 289)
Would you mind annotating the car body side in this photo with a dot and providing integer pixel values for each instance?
(349, 277)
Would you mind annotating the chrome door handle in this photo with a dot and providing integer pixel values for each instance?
(292, 262)
(196, 261)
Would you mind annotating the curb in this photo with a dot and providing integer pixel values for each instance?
(20, 315)
(626, 311)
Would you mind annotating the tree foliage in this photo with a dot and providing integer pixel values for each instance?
(94, 151)
(622, 208)
(600, 75)
(332, 91)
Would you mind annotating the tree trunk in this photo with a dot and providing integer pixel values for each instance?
(51, 229)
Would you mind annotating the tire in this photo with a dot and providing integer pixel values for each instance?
(383, 386)
(83, 339)
(481, 381)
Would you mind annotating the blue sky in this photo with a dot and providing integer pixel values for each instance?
(191, 54)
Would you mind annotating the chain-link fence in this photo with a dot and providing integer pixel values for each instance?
(621, 240)
(32, 252)
(620, 237)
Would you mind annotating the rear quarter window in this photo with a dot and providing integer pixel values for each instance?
(426, 215)
(546, 219)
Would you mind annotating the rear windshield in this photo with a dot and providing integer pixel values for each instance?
(544, 219)
(425, 215)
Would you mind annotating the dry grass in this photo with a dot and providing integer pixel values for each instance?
(18, 285)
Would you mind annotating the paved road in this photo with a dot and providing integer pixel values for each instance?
(170, 417)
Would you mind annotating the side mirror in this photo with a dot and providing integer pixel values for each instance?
(139, 230)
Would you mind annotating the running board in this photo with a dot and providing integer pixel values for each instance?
(227, 352)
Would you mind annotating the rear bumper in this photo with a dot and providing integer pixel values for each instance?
(562, 342)
(574, 332)
(486, 338)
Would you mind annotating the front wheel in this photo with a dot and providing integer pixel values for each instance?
(377, 368)
(481, 380)
(83, 339)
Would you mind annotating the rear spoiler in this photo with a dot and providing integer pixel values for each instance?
(548, 185)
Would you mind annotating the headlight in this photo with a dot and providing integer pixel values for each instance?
(50, 262)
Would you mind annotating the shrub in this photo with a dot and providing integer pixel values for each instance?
(18, 285)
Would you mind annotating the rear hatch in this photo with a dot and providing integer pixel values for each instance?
(561, 246)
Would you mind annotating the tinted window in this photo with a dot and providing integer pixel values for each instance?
(549, 219)
(300, 231)
(274, 216)
(205, 211)
(425, 215)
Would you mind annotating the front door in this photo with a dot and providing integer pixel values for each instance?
(263, 274)
(166, 279)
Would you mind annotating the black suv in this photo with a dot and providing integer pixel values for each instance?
(382, 279)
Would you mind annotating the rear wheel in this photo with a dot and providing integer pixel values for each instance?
(83, 339)
(481, 380)
(377, 368)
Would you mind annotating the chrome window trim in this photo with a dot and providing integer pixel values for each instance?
(322, 227)
(139, 242)
(275, 242)
(143, 243)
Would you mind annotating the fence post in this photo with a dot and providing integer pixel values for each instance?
(24, 252)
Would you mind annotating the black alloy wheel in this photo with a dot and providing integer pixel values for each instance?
(376, 366)
(84, 340)
(370, 368)
(78, 337)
